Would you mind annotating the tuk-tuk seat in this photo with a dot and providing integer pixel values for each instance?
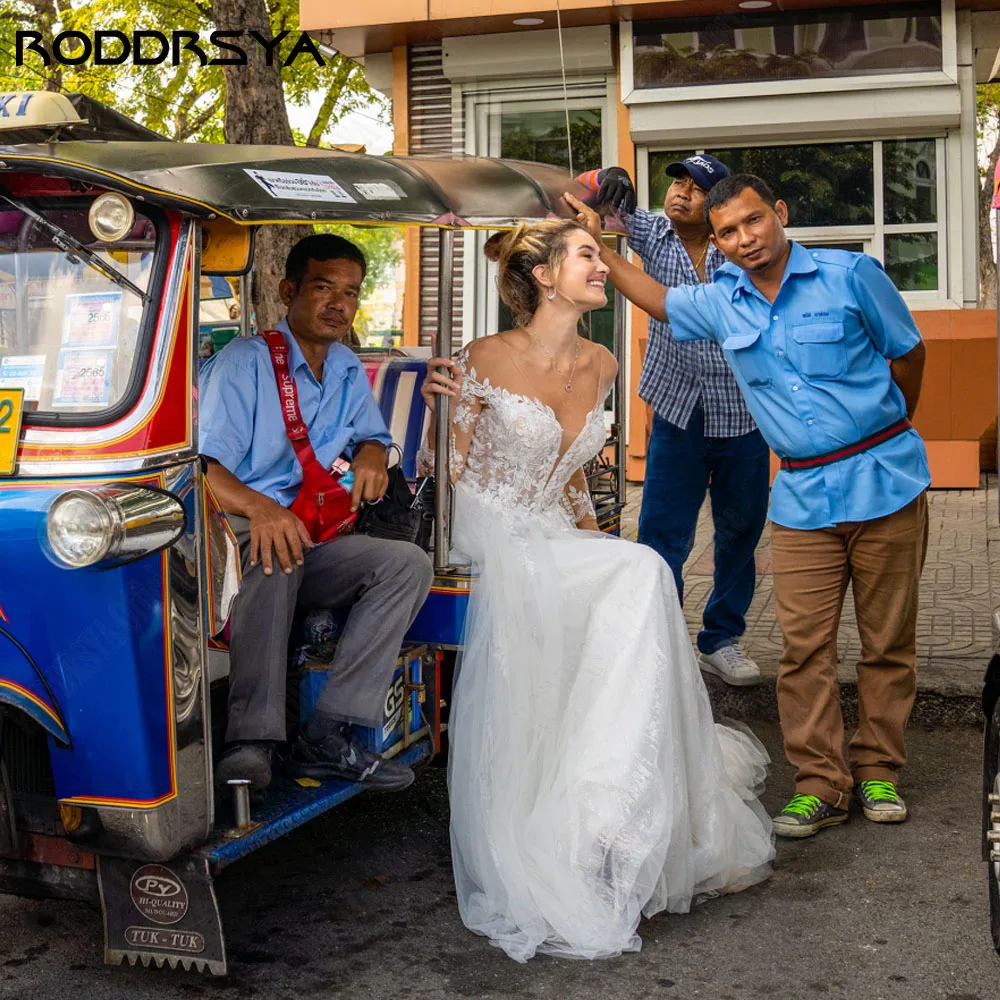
(396, 385)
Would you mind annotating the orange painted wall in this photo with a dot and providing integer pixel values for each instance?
(958, 401)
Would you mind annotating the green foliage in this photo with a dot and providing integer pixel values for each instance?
(381, 245)
(987, 118)
(183, 102)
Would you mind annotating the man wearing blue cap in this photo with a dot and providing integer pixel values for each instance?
(703, 437)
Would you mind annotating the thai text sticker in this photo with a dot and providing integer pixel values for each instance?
(379, 190)
(299, 187)
(91, 319)
(83, 378)
(23, 371)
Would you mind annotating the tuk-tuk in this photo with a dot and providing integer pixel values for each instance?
(118, 568)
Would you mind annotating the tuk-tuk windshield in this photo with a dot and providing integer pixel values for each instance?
(69, 334)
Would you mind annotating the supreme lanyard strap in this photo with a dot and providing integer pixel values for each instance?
(288, 395)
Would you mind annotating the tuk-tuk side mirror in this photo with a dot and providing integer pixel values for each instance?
(226, 248)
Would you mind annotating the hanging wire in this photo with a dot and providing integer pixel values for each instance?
(562, 66)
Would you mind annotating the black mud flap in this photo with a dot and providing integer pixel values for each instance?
(161, 914)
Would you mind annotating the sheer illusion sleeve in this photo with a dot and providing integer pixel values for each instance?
(464, 415)
(577, 498)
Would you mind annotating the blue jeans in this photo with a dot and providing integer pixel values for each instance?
(680, 466)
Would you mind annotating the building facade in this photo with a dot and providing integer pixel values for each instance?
(862, 116)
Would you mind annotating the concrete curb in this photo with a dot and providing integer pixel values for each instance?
(759, 704)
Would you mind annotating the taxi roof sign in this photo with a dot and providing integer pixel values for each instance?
(36, 109)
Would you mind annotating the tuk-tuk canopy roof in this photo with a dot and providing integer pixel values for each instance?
(276, 184)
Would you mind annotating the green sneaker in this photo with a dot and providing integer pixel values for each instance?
(880, 801)
(806, 815)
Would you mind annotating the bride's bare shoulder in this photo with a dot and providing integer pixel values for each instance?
(602, 360)
(487, 351)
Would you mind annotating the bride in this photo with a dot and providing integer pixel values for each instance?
(588, 782)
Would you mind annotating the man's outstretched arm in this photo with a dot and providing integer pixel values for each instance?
(637, 286)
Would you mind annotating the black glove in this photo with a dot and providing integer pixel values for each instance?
(616, 191)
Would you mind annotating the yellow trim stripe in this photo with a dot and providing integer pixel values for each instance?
(35, 700)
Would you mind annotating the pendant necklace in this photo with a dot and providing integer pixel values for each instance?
(576, 357)
(702, 256)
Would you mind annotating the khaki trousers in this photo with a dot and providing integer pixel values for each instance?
(882, 559)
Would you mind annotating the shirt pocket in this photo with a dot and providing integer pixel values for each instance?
(820, 349)
(747, 356)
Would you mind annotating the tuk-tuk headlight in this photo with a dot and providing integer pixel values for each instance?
(111, 217)
(112, 525)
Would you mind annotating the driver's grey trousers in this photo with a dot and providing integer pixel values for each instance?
(383, 582)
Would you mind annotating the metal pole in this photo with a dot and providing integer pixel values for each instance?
(442, 415)
(241, 802)
(245, 302)
(621, 380)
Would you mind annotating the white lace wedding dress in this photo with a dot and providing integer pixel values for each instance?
(587, 780)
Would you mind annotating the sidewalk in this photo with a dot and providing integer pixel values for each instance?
(954, 631)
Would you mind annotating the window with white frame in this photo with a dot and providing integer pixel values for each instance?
(883, 197)
(787, 44)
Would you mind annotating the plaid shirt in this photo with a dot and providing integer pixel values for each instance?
(675, 375)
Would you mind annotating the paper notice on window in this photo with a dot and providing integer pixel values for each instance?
(83, 378)
(23, 371)
(90, 319)
(300, 187)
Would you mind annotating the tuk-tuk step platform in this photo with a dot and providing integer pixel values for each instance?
(287, 806)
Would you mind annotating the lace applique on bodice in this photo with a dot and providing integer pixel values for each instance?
(516, 455)
(510, 448)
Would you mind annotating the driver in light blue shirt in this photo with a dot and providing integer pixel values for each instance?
(255, 474)
(830, 363)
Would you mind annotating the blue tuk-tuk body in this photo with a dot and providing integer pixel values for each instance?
(117, 568)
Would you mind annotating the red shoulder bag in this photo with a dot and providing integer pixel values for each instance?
(322, 504)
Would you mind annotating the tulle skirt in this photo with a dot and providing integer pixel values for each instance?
(588, 782)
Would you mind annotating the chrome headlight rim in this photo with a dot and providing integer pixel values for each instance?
(137, 521)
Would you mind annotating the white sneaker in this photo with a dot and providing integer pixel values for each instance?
(732, 665)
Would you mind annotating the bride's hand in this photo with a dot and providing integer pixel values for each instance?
(439, 383)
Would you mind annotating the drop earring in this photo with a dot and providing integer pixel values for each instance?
(551, 295)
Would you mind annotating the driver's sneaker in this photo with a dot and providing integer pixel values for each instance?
(880, 802)
(732, 664)
(805, 815)
(336, 755)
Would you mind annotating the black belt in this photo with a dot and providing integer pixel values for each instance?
(838, 454)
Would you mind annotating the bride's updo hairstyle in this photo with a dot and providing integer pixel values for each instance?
(519, 252)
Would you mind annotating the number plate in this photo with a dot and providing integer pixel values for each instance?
(11, 408)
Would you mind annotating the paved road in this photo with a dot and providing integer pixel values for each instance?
(360, 904)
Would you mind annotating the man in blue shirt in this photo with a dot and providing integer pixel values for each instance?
(703, 438)
(255, 475)
(830, 363)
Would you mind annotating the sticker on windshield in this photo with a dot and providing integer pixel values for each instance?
(379, 190)
(83, 378)
(23, 371)
(300, 187)
(90, 319)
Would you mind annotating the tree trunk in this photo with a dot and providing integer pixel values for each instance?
(987, 264)
(256, 114)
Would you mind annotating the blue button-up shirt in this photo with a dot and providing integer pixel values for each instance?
(241, 423)
(813, 366)
(676, 376)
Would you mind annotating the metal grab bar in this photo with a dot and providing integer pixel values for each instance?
(620, 327)
(442, 414)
